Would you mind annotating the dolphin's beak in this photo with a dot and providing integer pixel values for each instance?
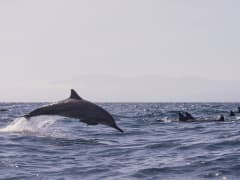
(119, 129)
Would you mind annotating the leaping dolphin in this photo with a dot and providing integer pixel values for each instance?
(78, 108)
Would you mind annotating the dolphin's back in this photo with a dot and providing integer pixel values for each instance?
(64, 108)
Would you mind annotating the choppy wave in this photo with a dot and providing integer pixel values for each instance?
(154, 146)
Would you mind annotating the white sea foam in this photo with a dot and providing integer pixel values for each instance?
(37, 125)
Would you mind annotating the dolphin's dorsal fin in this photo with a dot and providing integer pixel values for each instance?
(74, 95)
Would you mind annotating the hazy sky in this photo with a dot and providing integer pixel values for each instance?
(120, 50)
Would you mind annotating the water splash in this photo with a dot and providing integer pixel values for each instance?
(37, 125)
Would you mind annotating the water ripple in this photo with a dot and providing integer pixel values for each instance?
(154, 145)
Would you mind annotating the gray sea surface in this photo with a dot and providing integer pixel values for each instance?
(154, 145)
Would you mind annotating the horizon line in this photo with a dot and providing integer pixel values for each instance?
(128, 102)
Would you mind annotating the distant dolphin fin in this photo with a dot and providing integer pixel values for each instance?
(74, 95)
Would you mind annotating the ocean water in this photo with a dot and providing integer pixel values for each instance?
(154, 145)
